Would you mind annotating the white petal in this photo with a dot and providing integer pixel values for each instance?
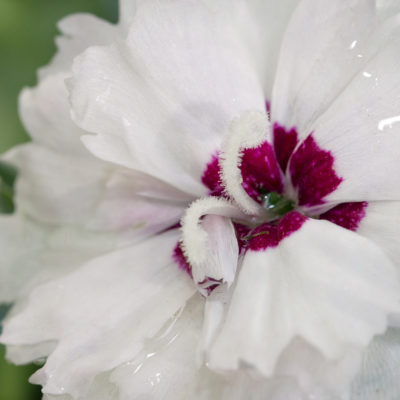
(316, 377)
(161, 101)
(20, 243)
(323, 283)
(312, 74)
(59, 188)
(211, 248)
(362, 130)
(379, 377)
(381, 224)
(263, 24)
(79, 31)
(101, 313)
(44, 112)
(341, 85)
(387, 8)
(166, 368)
(222, 251)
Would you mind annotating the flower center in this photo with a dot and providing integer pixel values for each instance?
(267, 190)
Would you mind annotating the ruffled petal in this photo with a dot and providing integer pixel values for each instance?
(44, 111)
(207, 81)
(101, 314)
(311, 284)
(78, 32)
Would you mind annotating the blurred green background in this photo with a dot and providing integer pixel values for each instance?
(27, 31)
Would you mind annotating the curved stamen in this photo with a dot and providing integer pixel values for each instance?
(210, 245)
(248, 131)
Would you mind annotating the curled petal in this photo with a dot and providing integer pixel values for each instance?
(210, 245)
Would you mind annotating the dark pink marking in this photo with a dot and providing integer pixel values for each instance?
(242, 231)
(260, 172)
(312, 172)
(180, 259)
(270, 235)
(268, 108)
(211, 177)
(347, 215)
(209, 284)
(285, 142)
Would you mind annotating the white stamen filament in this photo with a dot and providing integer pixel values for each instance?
(248, 131)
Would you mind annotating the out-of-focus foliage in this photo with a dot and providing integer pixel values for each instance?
(27, 31)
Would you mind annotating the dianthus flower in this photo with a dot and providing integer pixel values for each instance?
(209, 207)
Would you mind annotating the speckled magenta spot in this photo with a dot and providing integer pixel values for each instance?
(270, 235)
(260, 172)
(180, 259)
(347, 215)
(211, 177)
(312, 172)
(285, 140)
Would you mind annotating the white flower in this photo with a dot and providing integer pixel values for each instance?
(281, 281)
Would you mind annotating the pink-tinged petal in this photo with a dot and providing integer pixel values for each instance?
(285, 141)
(100, 315)
(325, 284)
(312, 173)
(209, 79)
(319, 56)
(379, 375)
(347, 215)
(58, 188)
(260, 172)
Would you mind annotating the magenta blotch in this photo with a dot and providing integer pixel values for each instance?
(347, 215)
(270, 235)
(180, 259)
(260, 172)
(285, 141)
(312, 173)
(211, 177)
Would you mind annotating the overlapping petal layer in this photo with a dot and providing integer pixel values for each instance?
(100, 315)
(165, 118)
(304, 287)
